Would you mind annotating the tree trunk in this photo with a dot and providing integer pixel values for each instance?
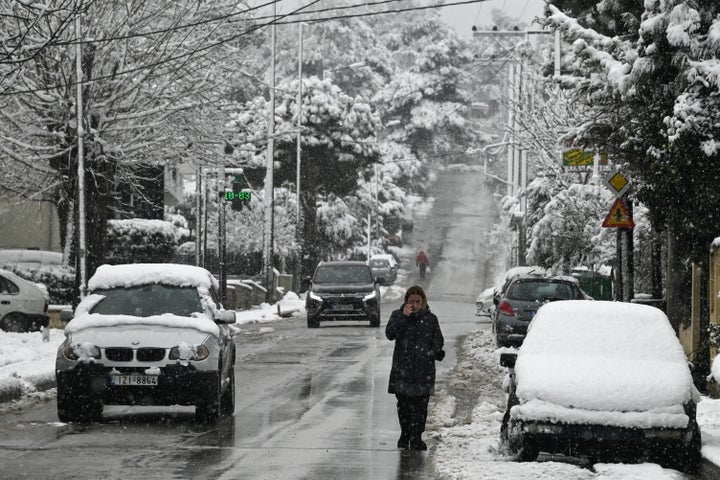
(677, 281)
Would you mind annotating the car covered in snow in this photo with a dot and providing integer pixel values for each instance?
(147, 334)
(604, 379)
(23, 304)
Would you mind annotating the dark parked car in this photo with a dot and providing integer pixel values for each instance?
(343, 291)
(603, 379)
(522, 299)
(148, 334)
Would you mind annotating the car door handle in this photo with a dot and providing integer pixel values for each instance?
(5, 302)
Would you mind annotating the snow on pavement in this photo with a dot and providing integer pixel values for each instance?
(467, 451)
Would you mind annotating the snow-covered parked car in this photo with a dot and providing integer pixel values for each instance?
(147, 334)
(484, 303)
(605, 379)
(23, 304)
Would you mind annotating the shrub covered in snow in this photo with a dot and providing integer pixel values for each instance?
(140, 240)
(57, 279)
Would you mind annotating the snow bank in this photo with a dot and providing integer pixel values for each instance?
(604, 356)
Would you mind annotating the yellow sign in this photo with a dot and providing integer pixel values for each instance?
(577, 157)
(617, 183)
(619, 216)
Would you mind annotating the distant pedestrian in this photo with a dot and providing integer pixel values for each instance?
(422, 262)
(418, 344)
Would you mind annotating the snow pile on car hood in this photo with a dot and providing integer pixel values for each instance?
(603, 356)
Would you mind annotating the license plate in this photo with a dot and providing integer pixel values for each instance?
(343, 306)
(122, 380)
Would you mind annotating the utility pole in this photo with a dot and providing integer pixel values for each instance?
(82, 252)
(517, 164)
(221, 230)
(297, 278)
(198, 212)
(269, 190)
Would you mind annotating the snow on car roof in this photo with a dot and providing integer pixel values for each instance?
(110, 276)
(601, 355)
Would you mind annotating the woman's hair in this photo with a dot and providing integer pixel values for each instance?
(416, 290)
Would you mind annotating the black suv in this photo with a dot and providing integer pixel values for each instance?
(343, 291)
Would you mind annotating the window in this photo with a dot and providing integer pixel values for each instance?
(343, 274)
(7, 287)
(148, 300)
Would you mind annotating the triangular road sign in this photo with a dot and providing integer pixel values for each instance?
(619, 216)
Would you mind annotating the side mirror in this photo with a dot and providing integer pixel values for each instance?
(225, 316)
(306, 282)
(508, 360)
(66, 315)
(380, 280)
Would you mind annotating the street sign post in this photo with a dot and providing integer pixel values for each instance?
(619, 216)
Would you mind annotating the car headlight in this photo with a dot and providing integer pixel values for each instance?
(370, 296)
(83, 352)
(189, 352)
(315, 296)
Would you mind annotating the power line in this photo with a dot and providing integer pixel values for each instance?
(159, 62)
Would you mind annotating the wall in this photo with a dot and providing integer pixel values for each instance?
(30, 224)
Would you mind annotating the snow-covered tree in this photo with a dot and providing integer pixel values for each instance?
(338, 141)
(152, 75)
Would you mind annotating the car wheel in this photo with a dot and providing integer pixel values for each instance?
(13, 322)
(528, 451)
(375, 321)
(313, 322)
(687, 458)
(227, 402)
(208, 411)
(74, 407)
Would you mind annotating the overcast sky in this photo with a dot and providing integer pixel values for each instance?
(463, 17)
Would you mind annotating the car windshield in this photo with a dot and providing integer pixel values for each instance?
(148, 300)
(343, 274)
(379, 263)
(541, 291)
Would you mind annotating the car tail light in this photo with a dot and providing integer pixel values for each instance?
(506, 308)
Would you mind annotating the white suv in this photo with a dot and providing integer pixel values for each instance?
(148, 334)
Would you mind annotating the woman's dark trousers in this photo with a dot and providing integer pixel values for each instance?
(412, 413)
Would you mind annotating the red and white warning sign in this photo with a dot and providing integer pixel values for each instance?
(619, 216)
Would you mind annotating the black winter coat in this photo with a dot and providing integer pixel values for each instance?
(418, 340)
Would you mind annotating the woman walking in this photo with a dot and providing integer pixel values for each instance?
(418, 344)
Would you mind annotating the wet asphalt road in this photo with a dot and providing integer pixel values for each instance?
(310, 403)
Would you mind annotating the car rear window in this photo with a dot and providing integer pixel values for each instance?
(542, 291)
(379, 263)
(343, 274)
(149, 300)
